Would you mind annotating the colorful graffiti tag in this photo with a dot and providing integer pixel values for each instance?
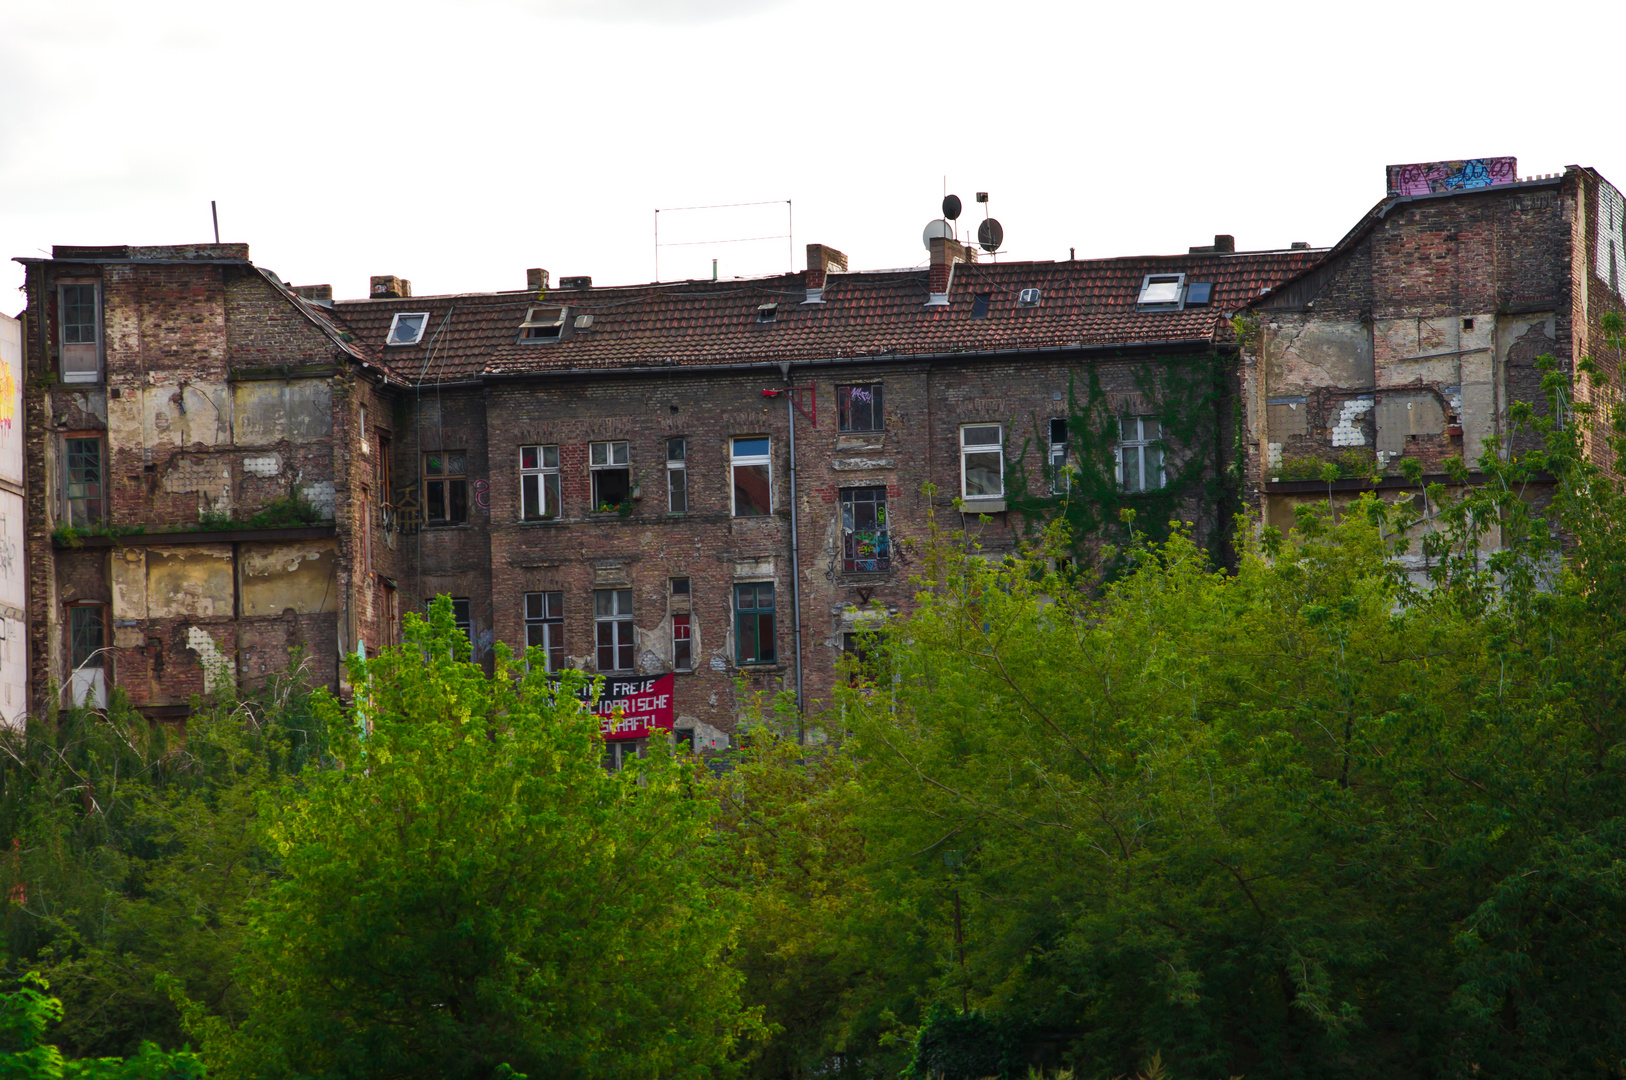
(1430, 177)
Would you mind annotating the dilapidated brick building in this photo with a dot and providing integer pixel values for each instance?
(223, 468)
(725, 480)
(1418, 331)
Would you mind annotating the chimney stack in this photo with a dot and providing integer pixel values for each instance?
(536, 280)
(389, 287)
(1222, 245)
(821, 259)
(945, 253)
(316, 294)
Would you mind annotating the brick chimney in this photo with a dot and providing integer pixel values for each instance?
(536, 280)
(1222, 245)
(316, 294)
(821, 259)
(389, 287)
(945, 253)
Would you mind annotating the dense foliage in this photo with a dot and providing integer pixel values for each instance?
(1351, 807)
(25, 1015)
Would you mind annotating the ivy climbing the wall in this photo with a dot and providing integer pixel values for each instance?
(1183, 400)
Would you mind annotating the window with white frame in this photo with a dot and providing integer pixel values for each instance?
(612, 618)
(609, 463)
(543, 324)
(545, 626)
(752, 472)
(538, 482)
(677, 476)
(79, 313)
(407, 328)
(1140, 453)
(1060, 477)
(982, 461)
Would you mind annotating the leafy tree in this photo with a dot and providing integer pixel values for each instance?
(25, 1055)
(131, 850)
(832, 966)
(1332, 814)
(473, 894)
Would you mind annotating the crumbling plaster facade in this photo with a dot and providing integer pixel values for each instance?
(1418, 332)
(213, 394)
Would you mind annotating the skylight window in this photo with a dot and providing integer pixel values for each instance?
(1161, 292)
(1198, 293)
(543, 324)
(407, 328)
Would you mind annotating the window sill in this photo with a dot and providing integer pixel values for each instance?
(436, 526)
(983, 505)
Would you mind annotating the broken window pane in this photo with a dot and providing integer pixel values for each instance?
(84, 483)
(858, 408)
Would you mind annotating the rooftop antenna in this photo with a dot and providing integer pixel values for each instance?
(215, 214)
(990, 234)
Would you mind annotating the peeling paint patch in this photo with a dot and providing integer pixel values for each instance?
(216, 664)
(297, 576)
(1275, 455)
(1346, 432)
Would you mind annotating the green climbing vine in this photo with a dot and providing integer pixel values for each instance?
(1184, 394)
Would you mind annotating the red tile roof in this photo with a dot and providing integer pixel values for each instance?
(1083, 303)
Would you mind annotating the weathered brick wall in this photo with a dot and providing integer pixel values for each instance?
(193, 425)
(1414, 342)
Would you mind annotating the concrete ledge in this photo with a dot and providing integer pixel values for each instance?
(304, 532)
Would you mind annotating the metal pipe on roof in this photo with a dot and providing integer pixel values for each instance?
(795, 555)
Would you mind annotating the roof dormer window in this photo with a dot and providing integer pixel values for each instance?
(768, 313)
(407, 328)
(543, 324)
(1161, 292)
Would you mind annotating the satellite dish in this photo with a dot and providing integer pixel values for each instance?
(951, 207)
(934, 229)
(990, 234)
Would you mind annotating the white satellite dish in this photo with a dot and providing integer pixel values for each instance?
(934, 229)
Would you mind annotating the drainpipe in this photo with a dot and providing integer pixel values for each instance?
(795, 555)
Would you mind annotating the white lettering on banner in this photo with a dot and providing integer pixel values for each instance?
(1611, 264)
(633, 708)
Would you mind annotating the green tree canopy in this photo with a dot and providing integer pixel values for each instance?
(473, 893)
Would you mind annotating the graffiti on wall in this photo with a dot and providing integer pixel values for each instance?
(1430, 177)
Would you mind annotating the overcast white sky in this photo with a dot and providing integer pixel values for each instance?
(458, 143)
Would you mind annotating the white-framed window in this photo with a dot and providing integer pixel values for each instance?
(751, 469)
(982, 461)
(545, 626)
(1161, 292)
(538, 482)
(1060, 479)
(79, 321)
(677, 476)
(543, 323)
(609, 462)
(407, 328)
(612, 619)
(1140, 454)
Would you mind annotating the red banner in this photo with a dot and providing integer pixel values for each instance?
(645, 703)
